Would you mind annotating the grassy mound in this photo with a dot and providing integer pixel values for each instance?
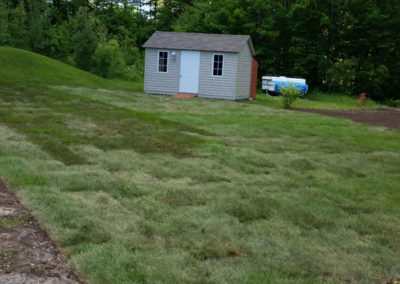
(22, 67)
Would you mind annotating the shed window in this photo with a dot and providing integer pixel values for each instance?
(218, 64)
(163, 61)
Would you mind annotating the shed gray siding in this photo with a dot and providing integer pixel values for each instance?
(243, 81)
(161, 83)
(234, 84)
(214, 86)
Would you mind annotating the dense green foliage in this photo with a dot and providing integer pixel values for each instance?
(144, 189)
(340, 45)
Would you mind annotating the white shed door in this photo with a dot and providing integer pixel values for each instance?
(190, 70)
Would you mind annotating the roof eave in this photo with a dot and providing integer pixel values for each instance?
(191, 49)
(253, 51)
(150, 44)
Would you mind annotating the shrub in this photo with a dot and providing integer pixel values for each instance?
(135, 71)
(134, 60)
(393, 103)
(108, 60)
(289, 94)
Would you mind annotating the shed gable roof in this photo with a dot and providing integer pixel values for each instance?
(199, 41)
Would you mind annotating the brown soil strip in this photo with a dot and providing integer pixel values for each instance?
(27, 254)
(382, 117)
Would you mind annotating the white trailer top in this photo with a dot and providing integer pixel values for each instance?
(284, 79)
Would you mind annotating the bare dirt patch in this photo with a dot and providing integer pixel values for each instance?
(27, 254)
(382, 117)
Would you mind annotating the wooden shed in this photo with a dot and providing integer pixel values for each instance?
(208, 65)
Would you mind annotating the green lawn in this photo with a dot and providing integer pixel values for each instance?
(318, 100)
(141, 188)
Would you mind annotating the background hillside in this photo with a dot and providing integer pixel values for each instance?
(349, 46)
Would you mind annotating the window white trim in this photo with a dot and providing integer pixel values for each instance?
(212, 65)
(158, 61)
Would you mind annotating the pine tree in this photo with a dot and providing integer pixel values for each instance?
(90, 32)
(17, 26)
(4, 35)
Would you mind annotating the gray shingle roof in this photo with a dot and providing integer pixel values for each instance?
(199, 41)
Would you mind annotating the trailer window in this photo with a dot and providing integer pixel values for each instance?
(163, 61)
(218, 64)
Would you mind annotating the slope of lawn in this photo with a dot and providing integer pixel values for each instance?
(151, 189)
(23, 68)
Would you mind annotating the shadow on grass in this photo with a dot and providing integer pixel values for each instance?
(49, 119)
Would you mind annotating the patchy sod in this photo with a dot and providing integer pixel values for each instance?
(139, 188)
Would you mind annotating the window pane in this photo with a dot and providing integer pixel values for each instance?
(218, 64)
(160, 65)
(163, 61)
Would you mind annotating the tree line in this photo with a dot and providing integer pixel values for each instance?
(350, 46)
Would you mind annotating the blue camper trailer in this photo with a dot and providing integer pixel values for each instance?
(272, 85)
